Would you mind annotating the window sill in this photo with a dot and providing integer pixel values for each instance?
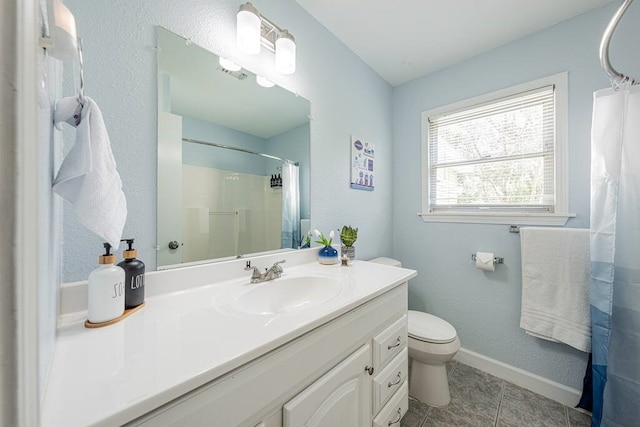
(558, 219)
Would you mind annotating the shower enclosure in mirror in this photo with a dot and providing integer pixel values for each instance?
(233, 159)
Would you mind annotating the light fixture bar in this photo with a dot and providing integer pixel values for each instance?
(269, 33)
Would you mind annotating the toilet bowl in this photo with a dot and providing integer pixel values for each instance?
(432, 343)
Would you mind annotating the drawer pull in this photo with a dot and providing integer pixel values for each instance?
(398, 420)
(397, 344)
(397, 381)
(369, 369)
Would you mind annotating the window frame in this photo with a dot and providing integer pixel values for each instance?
(561, 207)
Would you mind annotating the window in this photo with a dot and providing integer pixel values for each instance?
(498, 158)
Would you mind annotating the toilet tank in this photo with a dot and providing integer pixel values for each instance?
(387, 261)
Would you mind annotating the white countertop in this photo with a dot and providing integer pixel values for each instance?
(183, 339)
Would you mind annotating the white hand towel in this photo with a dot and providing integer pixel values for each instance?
(88, 177)
(555, 285)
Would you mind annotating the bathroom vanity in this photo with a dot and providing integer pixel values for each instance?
(320, 344)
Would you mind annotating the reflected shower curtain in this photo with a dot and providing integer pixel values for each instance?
(290, 205)
(615, 256)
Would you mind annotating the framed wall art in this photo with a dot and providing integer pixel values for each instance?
(362, 164)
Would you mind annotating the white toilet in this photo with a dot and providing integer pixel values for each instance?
(432, 343)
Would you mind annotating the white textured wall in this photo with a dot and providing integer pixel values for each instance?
(346, 97)
(485, 307)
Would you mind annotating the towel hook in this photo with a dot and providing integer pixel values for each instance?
(617, 77)
(80, 86)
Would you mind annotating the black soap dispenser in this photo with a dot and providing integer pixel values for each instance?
(134, 276)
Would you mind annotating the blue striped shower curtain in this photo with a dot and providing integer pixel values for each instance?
(290, 205)
(615, 256)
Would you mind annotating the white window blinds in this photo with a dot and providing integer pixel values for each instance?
(498, 155)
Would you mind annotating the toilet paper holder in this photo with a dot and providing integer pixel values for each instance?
(496, 260)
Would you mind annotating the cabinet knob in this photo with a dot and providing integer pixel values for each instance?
(369, 369)
(173, 245)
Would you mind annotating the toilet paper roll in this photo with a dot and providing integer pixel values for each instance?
(484, 261)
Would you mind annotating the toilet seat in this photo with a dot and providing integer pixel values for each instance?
(429, 328)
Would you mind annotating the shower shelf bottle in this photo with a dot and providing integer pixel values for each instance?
(106, 289)
(134, 276)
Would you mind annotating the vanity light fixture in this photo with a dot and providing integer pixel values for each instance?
(254, 29)
(228, 65)
(263, 81)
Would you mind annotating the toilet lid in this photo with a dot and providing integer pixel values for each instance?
(429, 328)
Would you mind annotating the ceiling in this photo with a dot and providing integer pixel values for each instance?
(406, 39)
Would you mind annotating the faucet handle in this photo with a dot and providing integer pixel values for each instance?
(256, 272)
(255, 275)
(276, 265)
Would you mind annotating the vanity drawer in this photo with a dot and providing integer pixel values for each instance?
(395, 409)
(390, 379)
(388, 343)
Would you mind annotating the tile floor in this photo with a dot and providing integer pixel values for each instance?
(479, 399)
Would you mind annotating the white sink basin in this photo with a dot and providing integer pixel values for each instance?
(288, 294)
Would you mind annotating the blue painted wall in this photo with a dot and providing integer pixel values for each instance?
(485, 307)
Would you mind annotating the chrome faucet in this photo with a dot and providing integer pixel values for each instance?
(274, 272)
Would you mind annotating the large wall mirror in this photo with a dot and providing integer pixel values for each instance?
(233, 159)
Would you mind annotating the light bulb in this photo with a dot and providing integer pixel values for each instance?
(286, 53)
(228, 65)
(248, 29)
(63, 33)
(264, 82)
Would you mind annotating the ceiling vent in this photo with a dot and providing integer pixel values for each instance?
(237, 74)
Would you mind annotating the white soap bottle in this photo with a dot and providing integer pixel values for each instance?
(106, 289)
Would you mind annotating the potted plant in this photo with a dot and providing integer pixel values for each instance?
(348, 236)
(327, 254)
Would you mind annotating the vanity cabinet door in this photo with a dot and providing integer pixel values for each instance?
(340, 398)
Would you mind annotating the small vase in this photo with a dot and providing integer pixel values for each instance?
(348, 251)
(328, 255)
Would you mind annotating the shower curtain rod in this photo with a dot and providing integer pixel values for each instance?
(229, 147)
(616, 76)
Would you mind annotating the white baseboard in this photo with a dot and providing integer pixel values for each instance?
(555, 391)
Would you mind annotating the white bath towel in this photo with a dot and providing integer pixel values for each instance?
(88, 177)
(555, 285)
